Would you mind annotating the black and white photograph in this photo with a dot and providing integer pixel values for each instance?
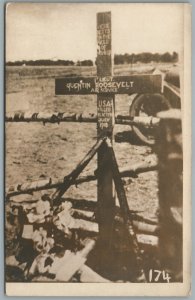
(97, 149)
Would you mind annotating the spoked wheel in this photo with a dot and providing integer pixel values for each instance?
(147, 105)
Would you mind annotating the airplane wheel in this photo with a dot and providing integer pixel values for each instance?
(147, 105)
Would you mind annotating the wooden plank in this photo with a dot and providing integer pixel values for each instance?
(89, 275)
(139, 226)
(104, 45)
(148, 239)
(49, 183)
(128, 220)
(108, 84)
(105, 111)
(68, 180)
(83, 214)
(105, 115)
(68, 265)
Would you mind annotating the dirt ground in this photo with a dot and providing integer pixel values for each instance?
(36, 151)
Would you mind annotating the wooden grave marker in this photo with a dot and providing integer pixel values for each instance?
(105, 86)
(105, 125)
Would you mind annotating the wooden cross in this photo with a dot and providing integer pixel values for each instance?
(105, 86)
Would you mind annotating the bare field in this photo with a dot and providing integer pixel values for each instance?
(36, 151)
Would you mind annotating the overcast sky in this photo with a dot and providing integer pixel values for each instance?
(68, 31)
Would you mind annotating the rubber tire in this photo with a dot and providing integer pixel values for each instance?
(135, 108)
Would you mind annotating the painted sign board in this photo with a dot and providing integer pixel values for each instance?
(109, 84)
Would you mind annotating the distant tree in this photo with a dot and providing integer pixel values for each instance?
(175, 56)
(118, 59)
(156, 57)
(145, 57)
(166, 57)
(126, 58)
(42, 62)
(87, 62)
(132, 58)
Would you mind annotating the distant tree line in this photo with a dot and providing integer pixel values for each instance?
(48, 62)
(86, 62)
(145, 57)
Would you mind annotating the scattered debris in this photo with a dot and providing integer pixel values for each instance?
(52, 239)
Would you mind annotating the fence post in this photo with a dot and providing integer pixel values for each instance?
(169, 151)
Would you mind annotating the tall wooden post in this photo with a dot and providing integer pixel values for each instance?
(105, 112)
(170, 155)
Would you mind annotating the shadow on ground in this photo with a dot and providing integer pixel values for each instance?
(127, 137)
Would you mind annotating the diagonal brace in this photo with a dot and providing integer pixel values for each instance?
(128, 220)
(70, 178)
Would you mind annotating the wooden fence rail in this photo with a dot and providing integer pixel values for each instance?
(49, 183)
(57, 117)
